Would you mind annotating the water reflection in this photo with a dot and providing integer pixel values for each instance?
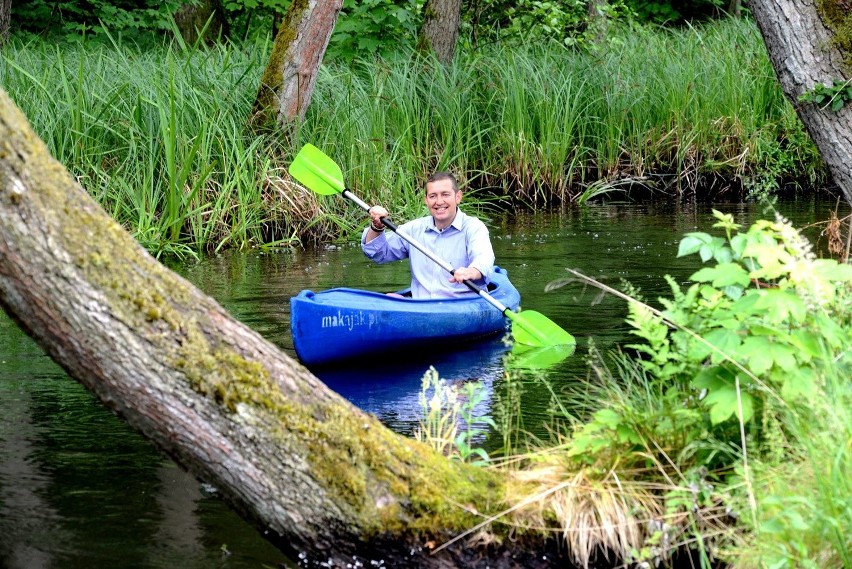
(79, 488)
(23, 484)
(390, 387)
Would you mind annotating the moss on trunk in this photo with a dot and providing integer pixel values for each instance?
(838, 17)
(266, 105)
(262, 416)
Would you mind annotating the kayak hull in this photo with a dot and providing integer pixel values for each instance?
(344, 323)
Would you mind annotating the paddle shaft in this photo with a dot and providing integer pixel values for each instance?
(417, 245)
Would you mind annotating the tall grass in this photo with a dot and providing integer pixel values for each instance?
(159, 136)
(805, 494)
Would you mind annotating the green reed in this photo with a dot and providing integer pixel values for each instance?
(160, 136)
(804, 517)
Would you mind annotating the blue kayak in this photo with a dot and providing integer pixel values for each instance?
(346, 323)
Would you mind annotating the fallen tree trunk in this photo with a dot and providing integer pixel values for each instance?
(321, 479)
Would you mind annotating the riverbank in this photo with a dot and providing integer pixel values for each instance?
(159, 136)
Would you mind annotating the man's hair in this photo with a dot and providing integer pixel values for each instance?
(438, 176)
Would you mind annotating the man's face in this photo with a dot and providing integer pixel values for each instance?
(442, 202)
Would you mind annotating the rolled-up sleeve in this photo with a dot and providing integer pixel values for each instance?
(385, 248)
(479, 247)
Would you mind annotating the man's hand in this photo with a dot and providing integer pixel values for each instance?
(466, 274)
(377, 212)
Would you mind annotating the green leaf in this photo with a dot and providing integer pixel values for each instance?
(733, 292)
(832, 333)
(627, 435)
(745, 306)
(779, 305)
(738, 244)
(797, 384)
(704, 275)
(757, 351)
(691, 243)
(722, 275)
(607, 417)
(723, 255)
(830, 269)
(808, 343)
(711, 378)
(368, 44)
(723, 404)
(726, 342)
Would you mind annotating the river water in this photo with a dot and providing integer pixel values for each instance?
(78, 488)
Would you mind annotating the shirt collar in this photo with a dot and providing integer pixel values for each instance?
(457, 222)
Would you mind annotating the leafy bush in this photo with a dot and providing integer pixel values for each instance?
(751, 360)
(75, 21)
(375, 27)
(759, 329)
(535, 21)
(768, 320)
(667, 12)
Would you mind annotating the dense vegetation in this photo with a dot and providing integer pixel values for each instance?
(690, 439)
(364, 26)
(159, 135)
(725, 428)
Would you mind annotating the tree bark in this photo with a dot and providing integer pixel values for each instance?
(288, 81)
(322, 480)
(596, 14)
(804, 53)
(191, 19)
(440, 29)
(5, 20)
(735, 8)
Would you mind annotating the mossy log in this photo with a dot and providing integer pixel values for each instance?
(808, 45)
(321, 479)
(287, 83)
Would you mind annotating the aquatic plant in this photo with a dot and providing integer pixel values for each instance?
(449, 421)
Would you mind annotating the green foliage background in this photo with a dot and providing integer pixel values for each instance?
(364, 28)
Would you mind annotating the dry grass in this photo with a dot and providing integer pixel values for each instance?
(615, 517)
(595, 514)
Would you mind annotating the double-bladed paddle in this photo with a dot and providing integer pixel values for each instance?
(322, 175)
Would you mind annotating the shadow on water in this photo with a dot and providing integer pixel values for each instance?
(80, 489)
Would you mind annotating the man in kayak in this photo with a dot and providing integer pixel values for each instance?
(449, 233)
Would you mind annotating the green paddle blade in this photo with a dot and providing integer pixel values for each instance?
(316, 171)
(523, 357)
(535, 329)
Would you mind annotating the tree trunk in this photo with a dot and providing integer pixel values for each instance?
(596, 14)
(5, 20)
(288, 80)
(440, 28)
(735, 8)
(322, 480)
(191, 19)
(805, 52)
